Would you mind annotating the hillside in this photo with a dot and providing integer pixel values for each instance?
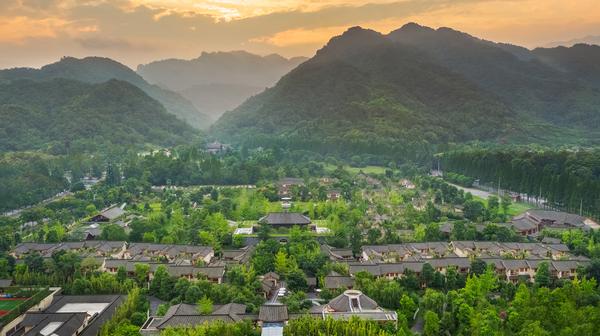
(364, 93)
(98, 70)
(62, 113)
(397, 94)
(528, 85)
(220, 81)
(580, 60)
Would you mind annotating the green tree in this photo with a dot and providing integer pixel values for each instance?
(205, 306)
(432, 324)
(542, 275)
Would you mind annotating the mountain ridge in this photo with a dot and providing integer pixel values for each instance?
(412, 87)
(95, 70)
(62, 113)
(218, 81)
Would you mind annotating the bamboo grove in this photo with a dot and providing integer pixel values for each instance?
(568, 180)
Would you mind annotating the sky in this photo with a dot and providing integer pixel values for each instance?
(37, 32)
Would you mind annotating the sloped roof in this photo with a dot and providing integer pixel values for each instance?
(273, 312)
(291, 181)
(112, 212)
(352, 301)
(285, 218)
(59, 324)
(559, 218)
(187, 315)
(338, 281)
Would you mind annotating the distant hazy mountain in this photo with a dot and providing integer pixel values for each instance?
(365, 92)
(524, 83)
(98, 70)
(580, 60)
(591, 39)
(220, 81)
(63, 113)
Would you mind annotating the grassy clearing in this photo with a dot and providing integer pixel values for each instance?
(8, 305)
(356, 170)
(518, 208)
(514, 209)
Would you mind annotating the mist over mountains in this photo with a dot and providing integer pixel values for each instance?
(219, 81)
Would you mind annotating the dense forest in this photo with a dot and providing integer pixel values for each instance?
(66, 115)
(97, 70)
(27, 178)
(411, 92)
(568, 179)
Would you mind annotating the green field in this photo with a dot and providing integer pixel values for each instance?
(8, 305)
(356, 170)
(518, 208)
(513, 210)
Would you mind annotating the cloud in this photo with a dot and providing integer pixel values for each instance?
(40, 4)
(20, 28)
(100, 43)
(136, 31)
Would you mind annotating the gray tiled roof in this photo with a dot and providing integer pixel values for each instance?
(291, 181)
(559, 218)
(273, 313)
(285, 218)
(112, 212)
(334, 282)
(343, 302)
(187, 315)
(67, 324)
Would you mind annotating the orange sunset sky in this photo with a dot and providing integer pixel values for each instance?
(36, 32)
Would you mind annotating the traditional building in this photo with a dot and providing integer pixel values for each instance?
(285, 220)
(355, 303)
(192, 273)
(187, 315)
(109, 214)
(69, 315)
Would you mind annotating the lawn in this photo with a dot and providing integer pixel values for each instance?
(513, 210)
(6, 305)
(356, 170)
(518, 208)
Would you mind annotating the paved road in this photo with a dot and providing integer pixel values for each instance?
(475, 192)
(17, 212)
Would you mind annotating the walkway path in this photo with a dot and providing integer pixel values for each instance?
(475, 192)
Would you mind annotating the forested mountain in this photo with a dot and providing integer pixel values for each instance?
(396, 95)
(63, 113)
(98, 70)
(580, 60)
(219, 81)
(524, 83)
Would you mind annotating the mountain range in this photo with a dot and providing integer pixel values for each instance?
(365, 92)
(95, 70)
(219, 81)
(63, 114)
